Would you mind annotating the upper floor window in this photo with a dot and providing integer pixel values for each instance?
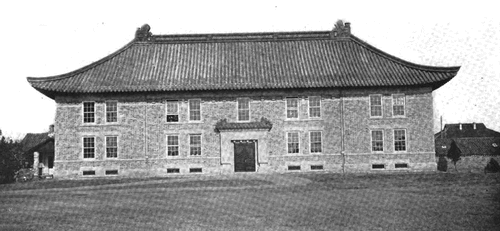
(88, 112)
(195, 145)
(376, 105)
(314, 107)
(315, 141)
(293, 142)
(243, 109)
(172, 111)
(194, 109)
(172, 145)
(398, 105)
(111, 111)
(111, 146)
(292, 108)
(377, 141)
(399, 140)
(88, 147)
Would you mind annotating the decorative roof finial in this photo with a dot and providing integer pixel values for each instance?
(142, 33)
(341, 29)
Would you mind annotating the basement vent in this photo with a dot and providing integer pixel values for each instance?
(173, 170)
(401, 165)
(111, 172)
(316, 167)
(293, 167)
(378, 166)
(89, 173)
(195, 170)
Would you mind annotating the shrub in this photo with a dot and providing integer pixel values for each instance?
(492, 166)
(442, 164)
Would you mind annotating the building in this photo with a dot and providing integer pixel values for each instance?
(39, 150)
(471, 139)
(244, 102)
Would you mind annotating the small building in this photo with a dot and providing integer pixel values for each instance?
(244, 102)
(38, 149)
(471, 139)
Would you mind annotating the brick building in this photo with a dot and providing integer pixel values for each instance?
(244, 102)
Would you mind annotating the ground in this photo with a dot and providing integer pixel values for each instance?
(413, 201)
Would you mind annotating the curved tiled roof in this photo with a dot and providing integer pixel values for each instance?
(243, 61)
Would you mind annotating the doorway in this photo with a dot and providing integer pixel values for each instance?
(244, 155)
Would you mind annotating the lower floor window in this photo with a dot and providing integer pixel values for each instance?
(315, 138)
(399, 140)
(172, 145)
(293, 142)
(195, 145)
(377, 141)
(88, 147)
(111, 146)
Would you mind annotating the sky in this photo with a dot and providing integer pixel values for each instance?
(45, 38)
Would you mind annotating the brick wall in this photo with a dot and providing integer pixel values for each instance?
(142, 130)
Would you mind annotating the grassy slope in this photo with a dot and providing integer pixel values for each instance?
(331, 201)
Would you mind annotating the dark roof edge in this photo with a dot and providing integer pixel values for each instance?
(451, 69)
(82, 69)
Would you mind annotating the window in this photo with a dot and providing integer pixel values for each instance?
(192, 170)
(88, 147)
(401, 165)
(111, 147)
(88, 112)
(315, 140)
(195, 145)
(194, 110)
(316, 167)
(314, 107)
(376, 105)
(173, 170)
(243, 109)
(111, 172)
(172, 145)
(293, 142)
(111, 111)
(378, 166)
(398, 105)
(400, 140)
(88, 173)
(292, 108)
(377, 141)
(172, 111)
(293, 167)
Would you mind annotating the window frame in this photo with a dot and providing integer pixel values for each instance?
(191, 145)
(106, 111)
(404, 105)
(381, 106)
(297, 108)
(189, 111)
(321, 142)
(309, 107)
(168, 145)
(371, 141)
(238, 109)
(287, 143)
(167, 113)
(405, 139)
(106, 146)
(84, 113)
(93, 148)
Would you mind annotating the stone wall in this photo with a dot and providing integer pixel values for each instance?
(142, 131)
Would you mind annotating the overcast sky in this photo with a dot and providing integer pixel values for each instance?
(44, 38)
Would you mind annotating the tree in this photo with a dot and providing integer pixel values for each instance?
(454, 154)
(10, 159)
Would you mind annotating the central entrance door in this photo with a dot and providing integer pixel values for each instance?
(244, 156)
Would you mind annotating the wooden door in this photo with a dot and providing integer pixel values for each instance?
(244, 156)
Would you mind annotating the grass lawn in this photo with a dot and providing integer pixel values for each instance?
(328, 202)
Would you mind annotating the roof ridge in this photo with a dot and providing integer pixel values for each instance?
(402, 61)
(84, 68)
